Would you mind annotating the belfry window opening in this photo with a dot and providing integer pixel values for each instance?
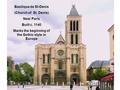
(43, 58)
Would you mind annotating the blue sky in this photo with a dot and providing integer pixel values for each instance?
(97, 17)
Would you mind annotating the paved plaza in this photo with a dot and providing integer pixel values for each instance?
(48, 88)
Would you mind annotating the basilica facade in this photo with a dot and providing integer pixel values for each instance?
(65, 60)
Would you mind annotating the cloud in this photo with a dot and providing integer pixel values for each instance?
(97, 17)
(96, 36)
(22, 50)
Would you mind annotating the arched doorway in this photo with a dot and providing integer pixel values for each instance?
(75, 78)
(60, 77)
(45, 78)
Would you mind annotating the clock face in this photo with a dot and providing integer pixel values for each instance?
(60, 52)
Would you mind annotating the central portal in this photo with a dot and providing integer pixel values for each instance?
(60, 77)
(45, 79)
(75, 79)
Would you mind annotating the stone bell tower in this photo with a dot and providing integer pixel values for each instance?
(73, 33)
(64, 61)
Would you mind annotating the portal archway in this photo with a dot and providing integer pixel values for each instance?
(60, 77)
(75, 78)
(45, 78)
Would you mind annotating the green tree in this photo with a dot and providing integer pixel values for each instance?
(22, 73)
(9, 76)
(16, 76)
(100, 73)
(9, 69)
(27, 70)
(17, 67)
(9, 63)
(95, 74)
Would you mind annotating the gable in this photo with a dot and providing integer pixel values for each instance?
(60, 40)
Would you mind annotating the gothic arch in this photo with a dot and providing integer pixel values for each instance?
(46, 78)
(73, 25)
(75, 78)
(76, 39)
(60, 77)
(77, 25)
(72, 39)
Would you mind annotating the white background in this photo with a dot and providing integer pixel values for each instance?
(3, 44)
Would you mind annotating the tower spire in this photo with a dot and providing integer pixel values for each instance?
(73, 27)
(73, 5)
(73, 11)
(60, 32)
(73, 2)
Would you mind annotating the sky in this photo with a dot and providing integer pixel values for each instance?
(97, 18)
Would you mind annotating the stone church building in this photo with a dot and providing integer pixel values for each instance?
(64, 61)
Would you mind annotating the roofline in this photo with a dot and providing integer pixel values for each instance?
(110, 28)
(58, 38)
(74, 16)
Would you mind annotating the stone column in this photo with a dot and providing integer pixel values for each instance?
(35, 67)
(85, 71)
(80, 29)
(68, 65)
(46, 59)
(52, 65)
(39, 65)
(82, 58)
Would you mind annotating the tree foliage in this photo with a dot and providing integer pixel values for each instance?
(28, 71)
(10, 63)
(97, 74)
(16, 76)
(23, 72)
(9, 68)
